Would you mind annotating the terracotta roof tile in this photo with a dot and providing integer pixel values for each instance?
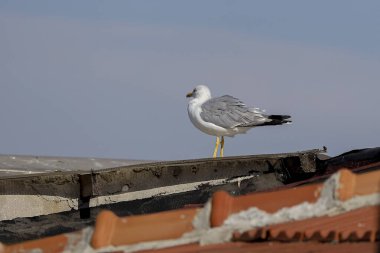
(350, 185)
(358, 225)
(53, 244)
(112, 230)
(270, 247)
(223, 204)
(355, 185)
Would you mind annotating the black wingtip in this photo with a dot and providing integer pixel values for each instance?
(279, 117)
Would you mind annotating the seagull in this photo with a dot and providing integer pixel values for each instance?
(226, 116)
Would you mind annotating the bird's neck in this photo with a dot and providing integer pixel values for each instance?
(199, 100)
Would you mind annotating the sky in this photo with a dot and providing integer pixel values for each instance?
(109, 78)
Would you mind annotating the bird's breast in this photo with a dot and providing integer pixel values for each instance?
(194, 112)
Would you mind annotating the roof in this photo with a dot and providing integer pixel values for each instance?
(70, 200)
(337, 214)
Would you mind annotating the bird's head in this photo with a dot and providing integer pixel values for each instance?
(200, 92)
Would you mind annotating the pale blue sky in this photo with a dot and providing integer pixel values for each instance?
(109, 78)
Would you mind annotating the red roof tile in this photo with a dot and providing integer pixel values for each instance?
(223, 204)
(112, 230)
(265, 247)
(350, 185)
(358, 225)
(355, 185)
(53, 244)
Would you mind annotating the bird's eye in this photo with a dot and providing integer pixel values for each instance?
(194, 90)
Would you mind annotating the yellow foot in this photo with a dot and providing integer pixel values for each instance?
(222, 147)
(216, 147)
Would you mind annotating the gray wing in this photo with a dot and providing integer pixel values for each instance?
(230, 112)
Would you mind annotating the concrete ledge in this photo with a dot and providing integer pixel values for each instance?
(47, 193)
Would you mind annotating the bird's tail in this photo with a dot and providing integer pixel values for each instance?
(278, 119)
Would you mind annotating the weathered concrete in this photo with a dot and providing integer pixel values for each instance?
(11, 165)
(80, 189)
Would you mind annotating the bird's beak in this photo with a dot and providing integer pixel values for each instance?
(190, 94)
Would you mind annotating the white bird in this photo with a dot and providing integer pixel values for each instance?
(226, 116)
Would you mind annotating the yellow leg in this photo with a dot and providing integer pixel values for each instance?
(216, 147)
(222, 147)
